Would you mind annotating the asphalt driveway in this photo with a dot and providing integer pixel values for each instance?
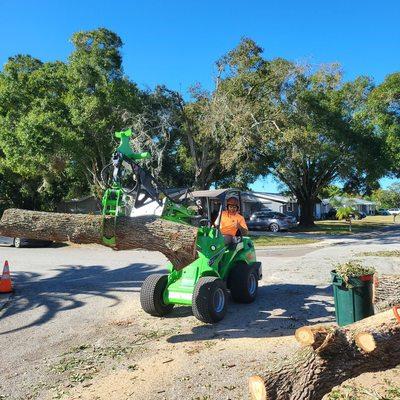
(71, 297)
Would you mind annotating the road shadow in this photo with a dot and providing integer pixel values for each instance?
(58, 245)
(389, 235)
(278, 311)
(64, 291)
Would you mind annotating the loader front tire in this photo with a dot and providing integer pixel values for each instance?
(209, 299)
(243, 283)
(151, 295)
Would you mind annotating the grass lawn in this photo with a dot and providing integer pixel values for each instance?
(383, 253)
(280, 240)
(369, 223)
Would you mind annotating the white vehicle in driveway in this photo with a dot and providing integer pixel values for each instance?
(394, 211)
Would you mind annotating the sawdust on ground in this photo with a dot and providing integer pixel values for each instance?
(209, 366)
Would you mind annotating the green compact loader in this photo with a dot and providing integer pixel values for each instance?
(218, 268)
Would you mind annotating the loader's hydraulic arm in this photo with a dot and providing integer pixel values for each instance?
(142, 185)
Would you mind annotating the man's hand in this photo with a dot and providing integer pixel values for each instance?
(242, 230)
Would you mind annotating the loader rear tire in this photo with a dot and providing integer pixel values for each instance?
(209, 299)
(151, 295)
(243, 283)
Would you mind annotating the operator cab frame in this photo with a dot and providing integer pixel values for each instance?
(213, 202)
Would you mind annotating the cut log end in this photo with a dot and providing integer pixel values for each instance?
(365, 341)
(257, 388)
(305, 336)
(369, 345)
(313, 336)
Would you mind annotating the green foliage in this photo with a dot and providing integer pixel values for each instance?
(389, 198)
(352, 269)
(57, 121)
(344, 212)
(35, 134)
(345, 209)
(330, 191)
(98, 96)
(304, 125)
(384, 108)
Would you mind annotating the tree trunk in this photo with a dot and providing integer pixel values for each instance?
(387, 292)
(306, 211)
(329, 357)
(176, 241)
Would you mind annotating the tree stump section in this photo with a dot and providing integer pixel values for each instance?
(176, 241)
(329, 356)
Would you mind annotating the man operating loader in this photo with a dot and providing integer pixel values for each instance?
(232, 223)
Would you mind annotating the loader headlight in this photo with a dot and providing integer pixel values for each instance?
(213, 248)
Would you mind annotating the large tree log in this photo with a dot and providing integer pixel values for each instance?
(330, 356)
(387, 292)
(176, 241)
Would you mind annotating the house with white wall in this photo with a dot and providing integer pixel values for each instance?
(258, 201)
(366, 206)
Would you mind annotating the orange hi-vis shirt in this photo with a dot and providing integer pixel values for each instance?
(229, 221)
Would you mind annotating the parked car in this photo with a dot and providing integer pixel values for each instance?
(358, 215)
(382, 211)
(394, 211)
(271, 220)
(23, 242)
(331, 214)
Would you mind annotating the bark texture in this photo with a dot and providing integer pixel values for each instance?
(307, 205)
(387, 292)
(318, 367)
(176, 241)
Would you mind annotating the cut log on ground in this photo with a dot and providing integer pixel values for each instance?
(312, 335)
(176, 241)
(387, 292)
(329, 356)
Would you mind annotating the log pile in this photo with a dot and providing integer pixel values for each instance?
(176, 241)
(387, 292)
(329, 356)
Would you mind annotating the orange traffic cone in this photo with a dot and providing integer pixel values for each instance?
(5, 280)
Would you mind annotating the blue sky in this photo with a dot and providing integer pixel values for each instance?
(176, 42)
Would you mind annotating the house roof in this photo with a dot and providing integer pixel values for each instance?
(257, 196)
(213, 194)
(350, 199)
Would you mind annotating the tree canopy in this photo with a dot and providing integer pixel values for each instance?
(305, 125)
(387, 198)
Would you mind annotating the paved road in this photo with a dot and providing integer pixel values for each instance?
(64, 294)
